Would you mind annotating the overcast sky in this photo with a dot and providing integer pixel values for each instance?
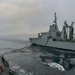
(33, 16)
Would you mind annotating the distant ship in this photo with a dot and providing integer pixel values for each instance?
(57, 39)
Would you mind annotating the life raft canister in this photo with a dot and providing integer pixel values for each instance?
(1, 67)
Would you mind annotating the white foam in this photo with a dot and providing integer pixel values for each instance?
(18, 70)
(55, 65)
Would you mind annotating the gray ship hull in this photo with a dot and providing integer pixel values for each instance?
(70, 46)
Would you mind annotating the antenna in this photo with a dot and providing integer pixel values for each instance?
(55, 18)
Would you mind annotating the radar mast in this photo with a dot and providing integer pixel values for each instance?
(55, 21)
(55, 18)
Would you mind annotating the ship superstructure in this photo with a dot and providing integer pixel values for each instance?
(57, 39)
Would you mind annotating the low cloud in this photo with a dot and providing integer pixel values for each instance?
(33, 16)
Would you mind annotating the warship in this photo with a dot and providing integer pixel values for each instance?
(54, 38)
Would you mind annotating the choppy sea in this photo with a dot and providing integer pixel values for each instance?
(21, 54)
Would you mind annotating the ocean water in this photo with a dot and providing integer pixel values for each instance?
(27, 58)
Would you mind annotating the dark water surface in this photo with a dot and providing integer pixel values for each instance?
(22, 53)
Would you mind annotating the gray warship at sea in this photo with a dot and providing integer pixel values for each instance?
(56, 39)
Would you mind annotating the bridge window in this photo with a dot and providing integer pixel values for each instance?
(58, 34)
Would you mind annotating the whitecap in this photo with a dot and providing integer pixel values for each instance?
(55, 65)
